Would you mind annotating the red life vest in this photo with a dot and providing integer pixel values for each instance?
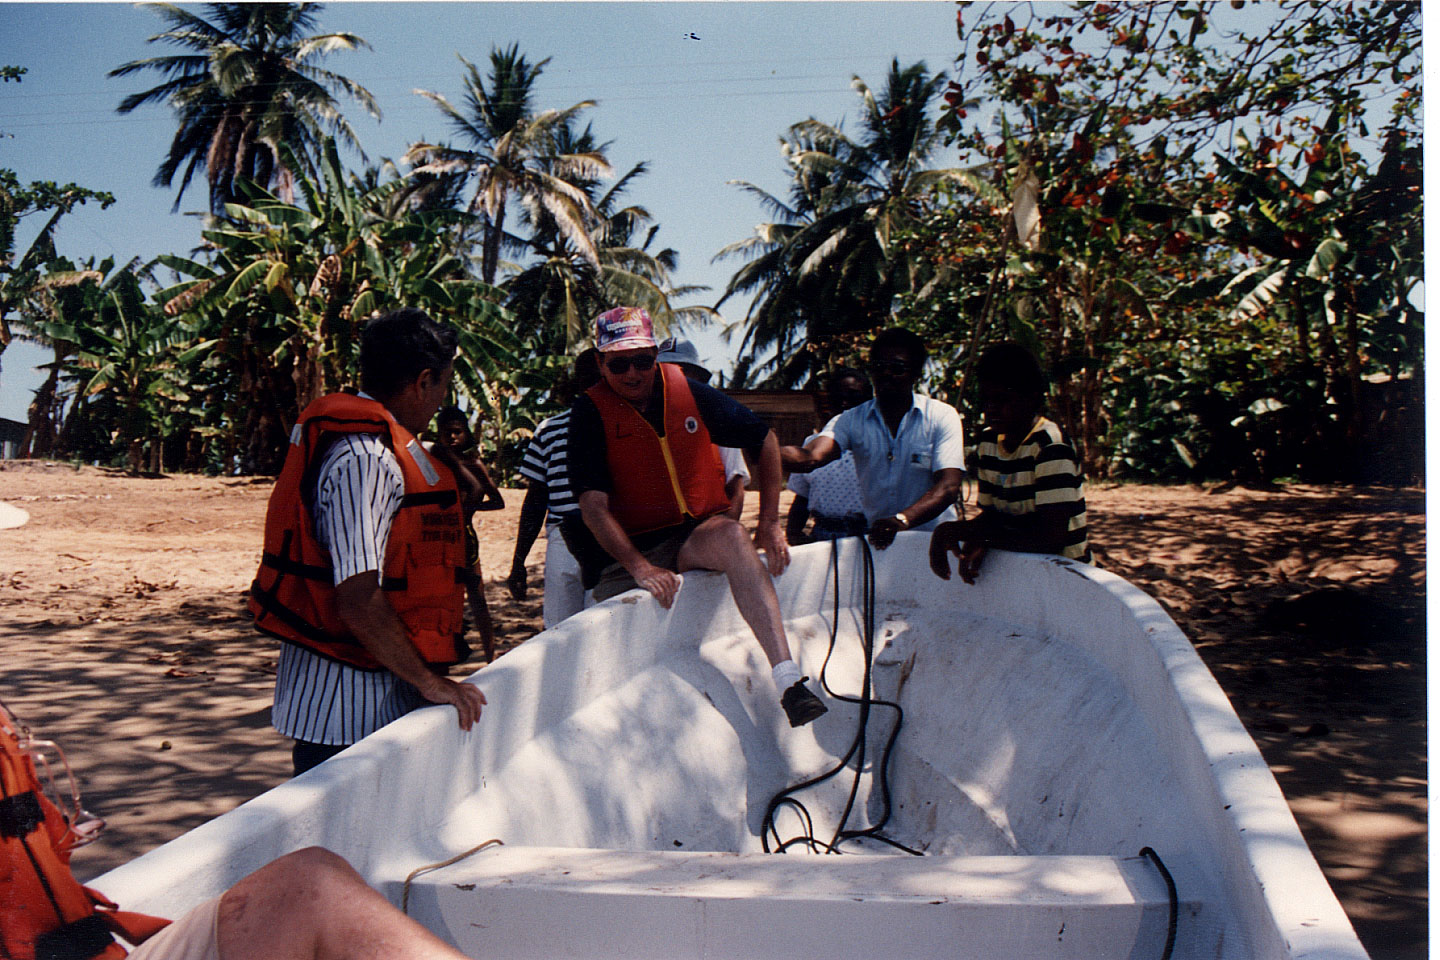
(44, 911)
(293, 596)
(660, 481)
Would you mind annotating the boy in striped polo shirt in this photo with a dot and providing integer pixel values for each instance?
(1031, 486)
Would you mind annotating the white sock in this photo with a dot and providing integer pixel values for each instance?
(786, 675)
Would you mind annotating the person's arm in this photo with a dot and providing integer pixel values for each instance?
(471, 491)
(814, 455)
(731, 424)
(947, 458)
(355, 503)
(966, 539)
(737, 474)
(931, 504)
(532, 518)
(490, 496)
(735, 491)
(368, 616)
(796, 519)
(595, 511)
(769, 536)
(1044, 531)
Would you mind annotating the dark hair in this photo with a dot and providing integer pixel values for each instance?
(583, 374)
(906, 340)
(397, 347)
(587, 369)
(1010, 365)
(846, 373)
(452, 415)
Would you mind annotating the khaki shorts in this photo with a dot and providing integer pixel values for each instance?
(193, 937)
(615, 579)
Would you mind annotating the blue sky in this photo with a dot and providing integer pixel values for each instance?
(701, 112)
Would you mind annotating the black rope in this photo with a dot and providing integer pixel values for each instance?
(785, 798)
(1154, 858)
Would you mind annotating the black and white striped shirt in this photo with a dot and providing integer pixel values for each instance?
(357, 495)
(547, 461)
(1043, 471)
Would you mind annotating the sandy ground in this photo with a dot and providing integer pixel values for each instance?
(124, 638)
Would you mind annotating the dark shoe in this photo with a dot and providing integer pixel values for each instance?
(801, 706)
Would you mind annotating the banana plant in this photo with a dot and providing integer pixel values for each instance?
(288, 287)
(128, 351)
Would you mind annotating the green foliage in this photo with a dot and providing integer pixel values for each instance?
(514, 152)
(247, 85)
(1208, 224)
(289, 286)
(1219, 258)
(20, 277)
(825, 272)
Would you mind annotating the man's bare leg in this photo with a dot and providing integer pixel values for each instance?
(720, 543)
(311, 905)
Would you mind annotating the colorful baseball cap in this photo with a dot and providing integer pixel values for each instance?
(624, 328)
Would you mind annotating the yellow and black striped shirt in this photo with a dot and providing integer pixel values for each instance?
(1042, 471)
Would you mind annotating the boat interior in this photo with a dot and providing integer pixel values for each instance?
(1001, 773)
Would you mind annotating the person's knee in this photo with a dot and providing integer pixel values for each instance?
(731, 536)
(289, 900)
(310, 868)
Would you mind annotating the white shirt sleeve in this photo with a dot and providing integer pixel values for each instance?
(734, 463)
(836, 431)
(799, 484)
(947, 443)
(537, 453)
(356, 499)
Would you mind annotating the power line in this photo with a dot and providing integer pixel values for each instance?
(410, 80)
(104, 118)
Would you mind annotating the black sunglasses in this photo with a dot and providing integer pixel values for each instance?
(892, 368)
(619, 365)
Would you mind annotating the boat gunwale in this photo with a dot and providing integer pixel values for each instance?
(1271, 881)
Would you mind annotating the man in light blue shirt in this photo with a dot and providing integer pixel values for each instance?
(909, 449)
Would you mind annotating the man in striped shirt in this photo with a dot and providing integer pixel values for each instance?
(406, 362)
(546, 467)
(1031, 486)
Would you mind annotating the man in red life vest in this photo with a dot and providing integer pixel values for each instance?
(308, 904)
(652, 494)
(363, 574)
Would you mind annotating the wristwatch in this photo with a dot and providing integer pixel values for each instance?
(901, 519)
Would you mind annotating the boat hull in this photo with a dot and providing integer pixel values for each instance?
(1057, 723)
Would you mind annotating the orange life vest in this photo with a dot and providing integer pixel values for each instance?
(293, 596)
(45, 913)
(658, 481)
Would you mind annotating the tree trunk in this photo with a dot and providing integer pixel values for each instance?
(490, 256)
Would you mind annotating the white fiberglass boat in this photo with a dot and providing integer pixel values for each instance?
(1072, 778)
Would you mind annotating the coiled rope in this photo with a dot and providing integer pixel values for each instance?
(786, 798)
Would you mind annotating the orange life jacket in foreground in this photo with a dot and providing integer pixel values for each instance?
(45, 914)
(660, 481)
(293, 596)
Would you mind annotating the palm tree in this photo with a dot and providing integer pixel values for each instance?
(248, 85)
(128, 351)
(68, 297)
(827, 268)
(288, 287)
(564, 289)
(511, 153)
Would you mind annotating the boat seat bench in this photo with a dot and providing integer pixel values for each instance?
(522, 902)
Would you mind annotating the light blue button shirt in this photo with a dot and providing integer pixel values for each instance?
(895, 471)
